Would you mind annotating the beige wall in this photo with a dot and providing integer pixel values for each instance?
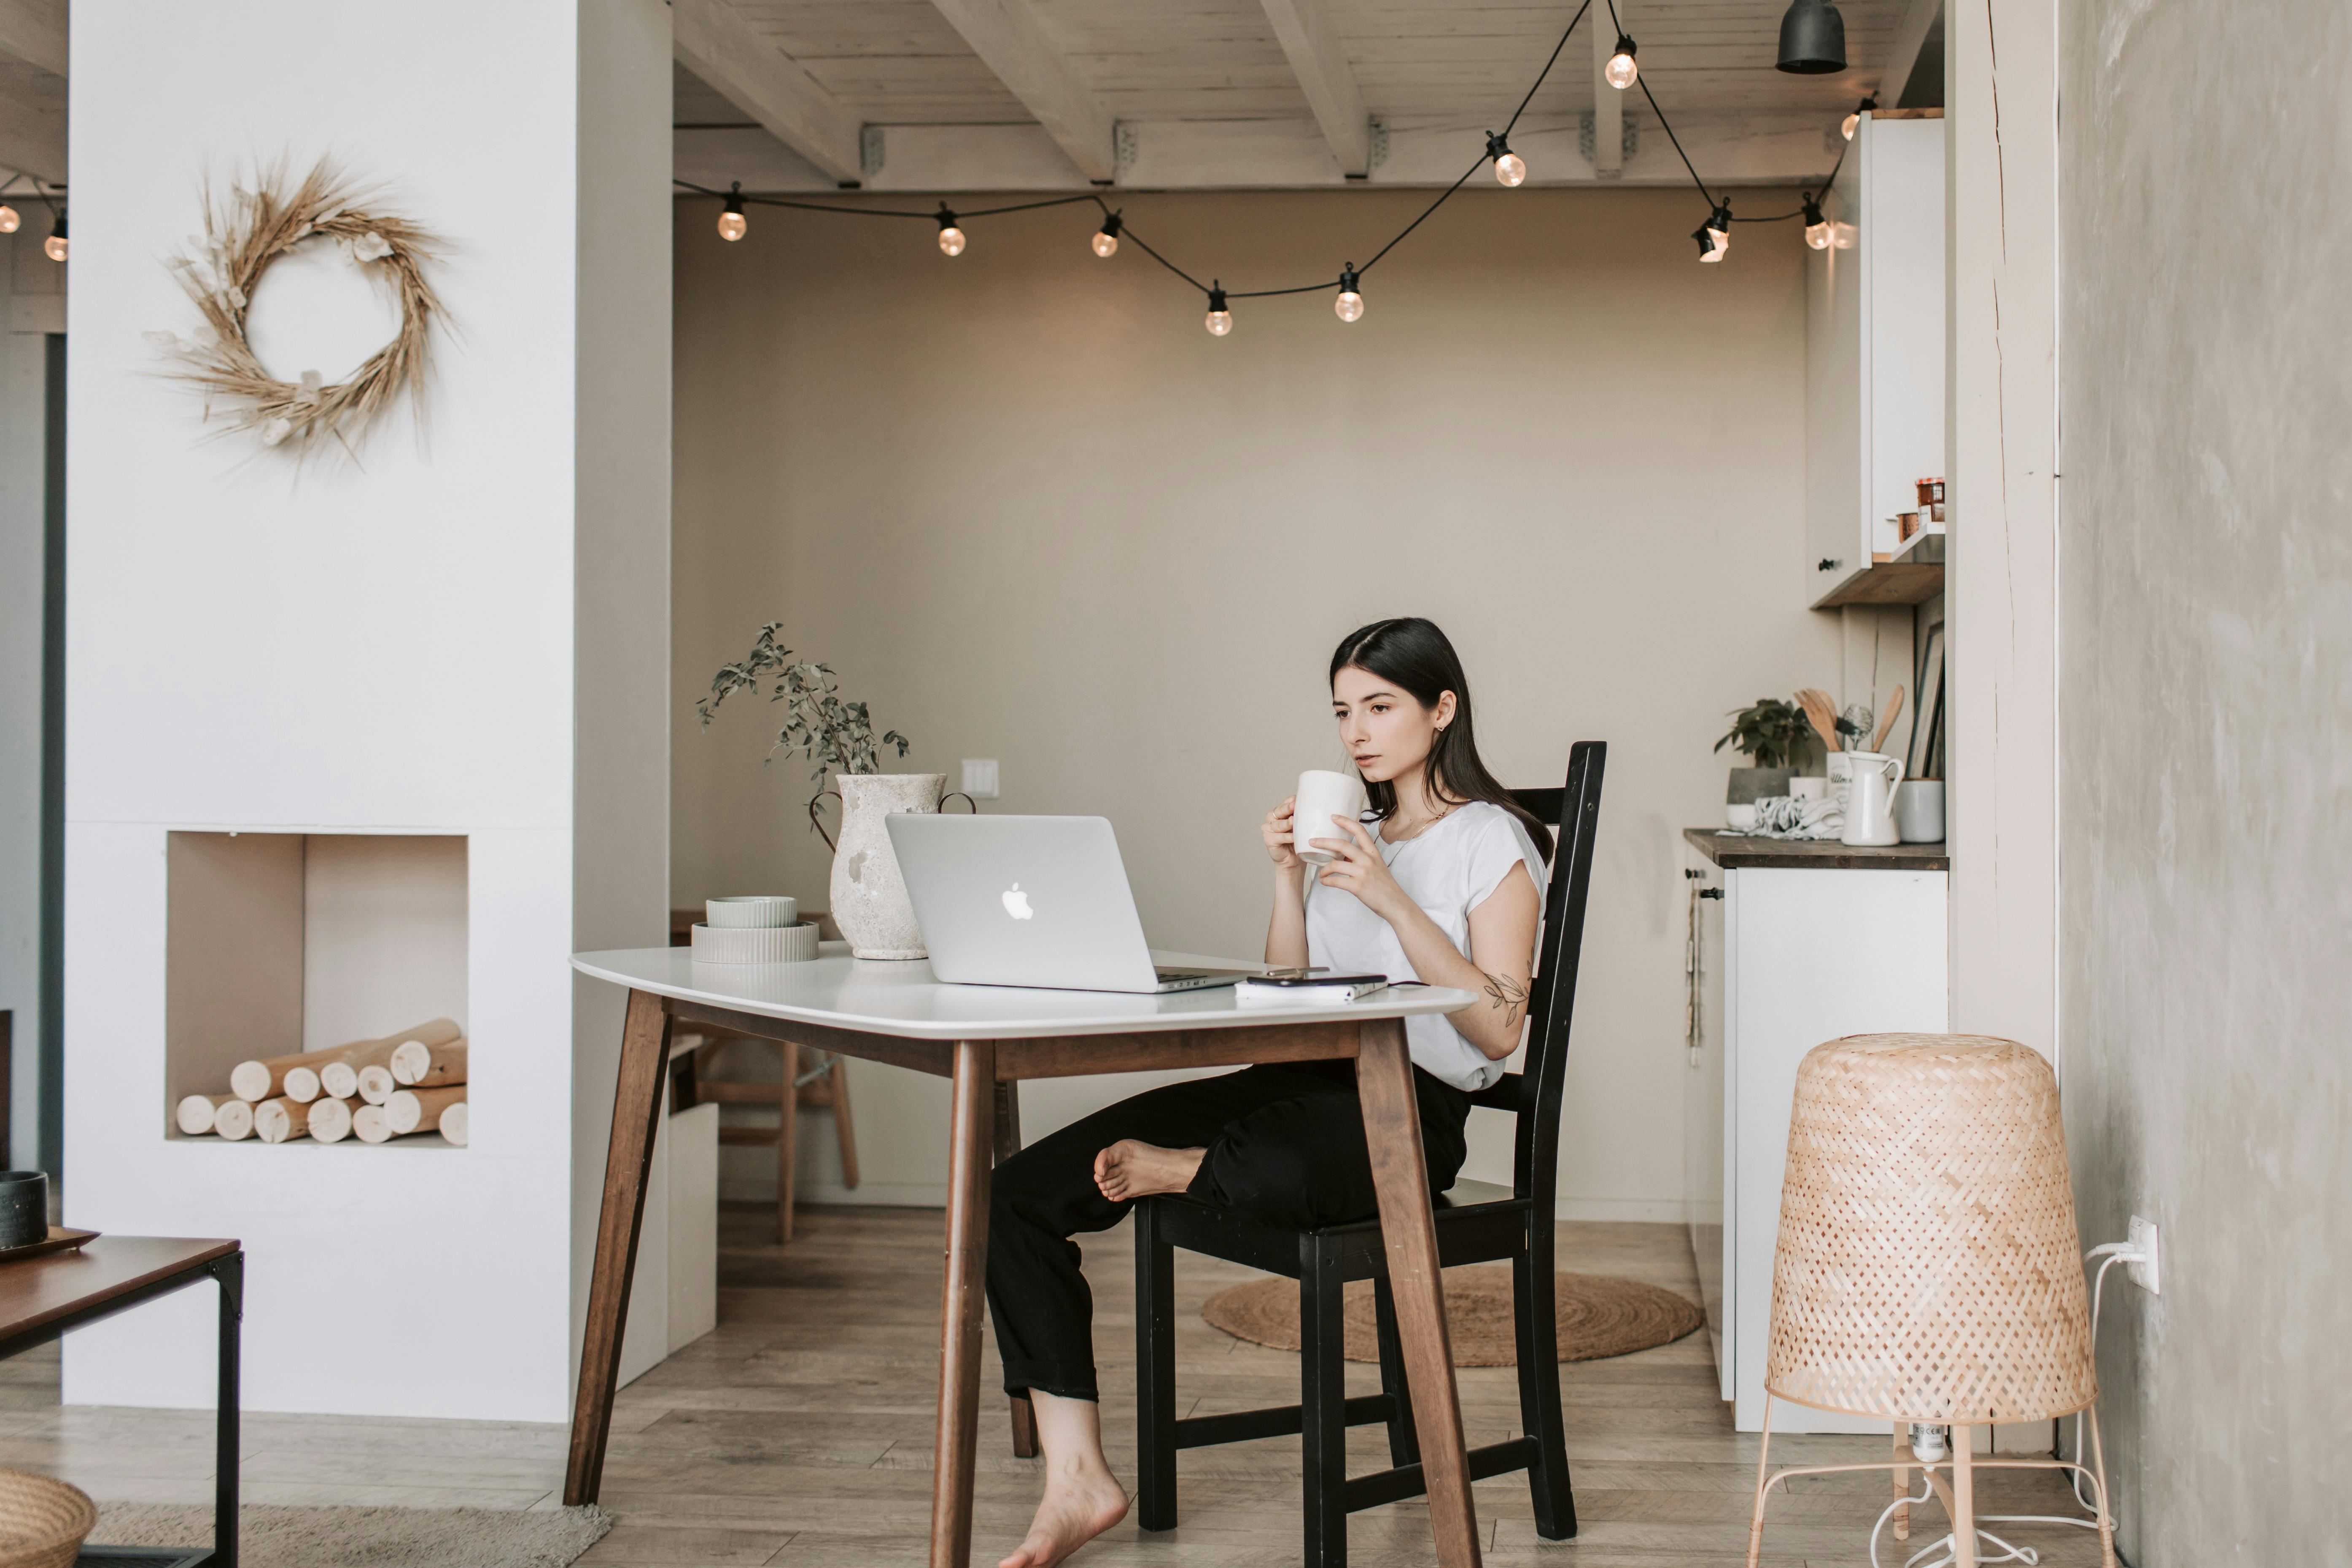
(2206, 598)
(1029, 510)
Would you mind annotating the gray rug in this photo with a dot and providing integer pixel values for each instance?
(367, 1537)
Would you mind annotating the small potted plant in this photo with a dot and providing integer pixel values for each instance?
(870, 895)
(1775, 734)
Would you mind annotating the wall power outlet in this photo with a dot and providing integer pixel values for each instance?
(2144, 1275)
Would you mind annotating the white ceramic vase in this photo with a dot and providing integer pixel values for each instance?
(869, 894)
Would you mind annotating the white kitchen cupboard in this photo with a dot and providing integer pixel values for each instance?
(1874, 353)
(1819, 941)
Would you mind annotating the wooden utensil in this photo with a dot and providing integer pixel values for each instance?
(1817, 707)
(1878, 742)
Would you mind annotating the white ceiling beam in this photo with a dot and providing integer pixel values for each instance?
(1304, 30)
(34, 32)
(1608, 103)
(1903, 52)
(1012, 42)
(714, 42)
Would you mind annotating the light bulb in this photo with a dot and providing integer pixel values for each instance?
(1849, 125)
(1509, 167)
(55, 243)
(10, 219)
(1349, 305)
(1621, 70)
(1107, 238)
(1714, 236)
(1219, 321)
(1819, 231)
(732, 223)
(950, 236)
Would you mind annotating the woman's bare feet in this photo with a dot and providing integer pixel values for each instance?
(1131, 1170)
(1078, 1505)
(1083, 1498)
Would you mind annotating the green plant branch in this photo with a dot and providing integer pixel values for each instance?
(834, 735)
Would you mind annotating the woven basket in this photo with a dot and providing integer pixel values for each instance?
(1927, 1267)
(43, 1522)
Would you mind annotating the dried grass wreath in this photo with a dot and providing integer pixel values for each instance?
(219, 270)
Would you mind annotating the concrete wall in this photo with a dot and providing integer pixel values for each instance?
(1029, 510)
(2206, 771)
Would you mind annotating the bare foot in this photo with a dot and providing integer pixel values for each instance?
(1080, 1503)
(1131, 1170)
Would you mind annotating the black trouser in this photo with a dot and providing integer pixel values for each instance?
(1285, 1145)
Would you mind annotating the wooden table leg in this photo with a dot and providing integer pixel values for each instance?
(971, 1138)
(637, 1112)
(1400, 1177)
(788, 1125)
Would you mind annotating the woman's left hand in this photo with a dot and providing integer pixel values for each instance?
(1357, 866)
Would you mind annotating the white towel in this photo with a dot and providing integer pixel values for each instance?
(1783, 816)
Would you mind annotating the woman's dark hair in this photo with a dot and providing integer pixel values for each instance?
(1416, 656)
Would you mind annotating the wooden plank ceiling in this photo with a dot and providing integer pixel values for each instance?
(950, 95)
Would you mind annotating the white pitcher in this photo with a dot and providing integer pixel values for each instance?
(1870, 799)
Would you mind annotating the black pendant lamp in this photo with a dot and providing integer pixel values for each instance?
(1812, 38)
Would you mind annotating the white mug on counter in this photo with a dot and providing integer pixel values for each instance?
(1321, 797)
(1870, 798)
(1920, 811)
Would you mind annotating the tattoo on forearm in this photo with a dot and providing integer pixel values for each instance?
(1509, 995)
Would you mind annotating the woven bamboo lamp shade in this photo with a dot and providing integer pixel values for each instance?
(1927, 1267)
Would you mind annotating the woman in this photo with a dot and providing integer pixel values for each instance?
(1442, 883)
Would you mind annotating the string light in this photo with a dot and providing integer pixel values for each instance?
(55, 243)
(1852, 122)
(1713, 236)
(11, 220)
(732, 225)
(1349, 305)
(1820, 232)
(1620, 72)
(1509, 167)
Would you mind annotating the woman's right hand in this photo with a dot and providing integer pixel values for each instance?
(1276, 831)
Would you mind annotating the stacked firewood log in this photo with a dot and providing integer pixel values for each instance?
(375, 1090)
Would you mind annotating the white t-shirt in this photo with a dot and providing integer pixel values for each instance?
(1448, 869)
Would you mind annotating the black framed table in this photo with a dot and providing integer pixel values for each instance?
(43, 1299)
(985, 1039)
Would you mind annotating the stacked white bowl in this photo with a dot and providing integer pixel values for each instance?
(754, 927)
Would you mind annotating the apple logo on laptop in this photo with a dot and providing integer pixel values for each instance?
(1016, 903)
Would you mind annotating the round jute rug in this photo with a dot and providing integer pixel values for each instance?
(1598, 1314)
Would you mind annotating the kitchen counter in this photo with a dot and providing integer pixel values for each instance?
(1732, 850)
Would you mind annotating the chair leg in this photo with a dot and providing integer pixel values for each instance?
(1155, 1373)
(1536, 1322)
(845, 1131)
(1404, 1442)
(787, 1121)
(1008, 1143)
(1323, 1404)
(1024, 1427)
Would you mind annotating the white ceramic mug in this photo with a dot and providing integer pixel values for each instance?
(1323, 796)
(1920, 811)
(1813, 788)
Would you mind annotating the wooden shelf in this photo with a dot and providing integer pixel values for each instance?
(1888, 582)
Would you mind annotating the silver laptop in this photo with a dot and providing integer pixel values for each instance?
(1031, 900)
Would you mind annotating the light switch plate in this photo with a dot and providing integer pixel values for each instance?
(980, 777)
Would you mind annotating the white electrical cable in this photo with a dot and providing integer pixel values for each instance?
(2109, 1254)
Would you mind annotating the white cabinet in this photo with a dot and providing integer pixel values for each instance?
(1788, 957)
(1873, 349)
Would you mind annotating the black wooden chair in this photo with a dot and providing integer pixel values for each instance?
(1477, 1223)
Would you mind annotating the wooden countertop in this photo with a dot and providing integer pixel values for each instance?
(1732, 850)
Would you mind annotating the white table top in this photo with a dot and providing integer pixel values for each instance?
(901, 998)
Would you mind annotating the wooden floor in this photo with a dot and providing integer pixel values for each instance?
(800, 1432)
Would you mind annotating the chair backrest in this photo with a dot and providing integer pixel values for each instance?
(1535, 1092)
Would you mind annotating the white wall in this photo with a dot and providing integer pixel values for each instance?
(382, 648)
(1031, 511)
